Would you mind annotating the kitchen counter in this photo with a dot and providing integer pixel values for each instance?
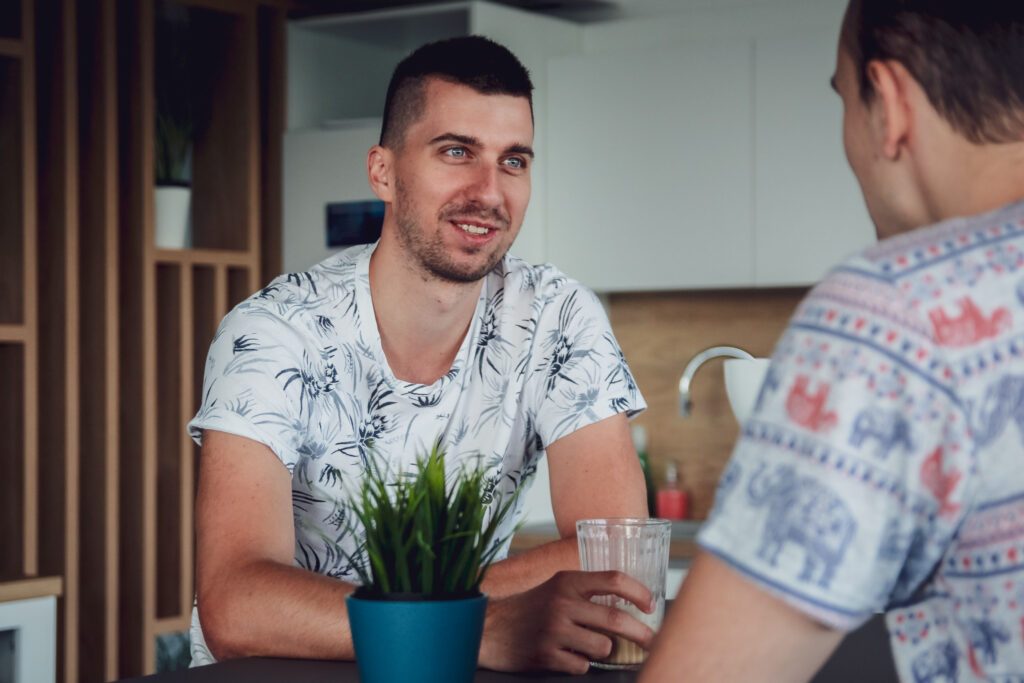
(681, 547)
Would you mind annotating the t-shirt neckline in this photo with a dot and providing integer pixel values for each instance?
(371, 333)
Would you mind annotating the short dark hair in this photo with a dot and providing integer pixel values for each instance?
(474, 61)
(968, 56)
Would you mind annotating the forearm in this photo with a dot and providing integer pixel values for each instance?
(530, 568)
(723, 627)
(266, 608)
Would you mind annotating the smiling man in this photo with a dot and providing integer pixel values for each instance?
(883, 466)
(432, 333)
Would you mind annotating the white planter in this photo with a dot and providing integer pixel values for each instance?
(173, 217)
(34, 622)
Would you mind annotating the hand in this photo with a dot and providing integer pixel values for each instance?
(556, 627)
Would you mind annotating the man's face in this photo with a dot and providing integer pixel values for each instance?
(462, 181)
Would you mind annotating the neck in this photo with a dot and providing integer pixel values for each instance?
(977, 180)
(422, 320)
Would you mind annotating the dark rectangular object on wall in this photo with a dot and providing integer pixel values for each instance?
(354, 222)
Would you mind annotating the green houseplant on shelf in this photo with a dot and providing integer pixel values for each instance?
(419, 612)
(175, 93)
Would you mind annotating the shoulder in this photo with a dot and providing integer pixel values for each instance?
(542, 286)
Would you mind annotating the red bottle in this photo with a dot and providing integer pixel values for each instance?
(672, 499)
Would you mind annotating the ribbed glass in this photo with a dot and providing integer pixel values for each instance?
(635, 546)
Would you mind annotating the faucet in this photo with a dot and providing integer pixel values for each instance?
(696, 362)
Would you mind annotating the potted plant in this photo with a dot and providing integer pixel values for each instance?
(419, 612)
(174, 61)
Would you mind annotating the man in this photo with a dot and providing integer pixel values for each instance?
(883, 467)
(377, 352)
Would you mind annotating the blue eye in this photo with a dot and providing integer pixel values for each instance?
(515, 162)
(457, 152)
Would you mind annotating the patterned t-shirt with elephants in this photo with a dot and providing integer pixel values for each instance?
(299, 367)
(883, 465)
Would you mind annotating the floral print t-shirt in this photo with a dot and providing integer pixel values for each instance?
(883, 465)
(299, 367)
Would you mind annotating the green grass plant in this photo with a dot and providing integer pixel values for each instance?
(426, 534)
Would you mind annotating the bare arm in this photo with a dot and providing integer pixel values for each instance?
(252, 599)
(724, 628)
(595, 472)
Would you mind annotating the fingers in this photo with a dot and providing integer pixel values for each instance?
(613, 620)
(590, 584)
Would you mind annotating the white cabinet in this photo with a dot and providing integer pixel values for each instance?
(701, 150)
(339, 67)
(809, 213)
(650, 177)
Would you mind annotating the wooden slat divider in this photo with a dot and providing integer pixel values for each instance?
(29, 195)
(107, 64)
(147, 122)
(69, 121)
(187, 466)
(220, 291)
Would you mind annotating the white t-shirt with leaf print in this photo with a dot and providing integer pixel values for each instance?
(299, 367)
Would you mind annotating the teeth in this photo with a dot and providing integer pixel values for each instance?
(472, 229)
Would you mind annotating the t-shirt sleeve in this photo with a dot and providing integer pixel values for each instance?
(852, 473)
(256, 372)
(581, 376)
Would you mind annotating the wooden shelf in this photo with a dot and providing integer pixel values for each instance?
(11, 48)
(12, 334)
(27, 589)
(172, 624)
(205, 257)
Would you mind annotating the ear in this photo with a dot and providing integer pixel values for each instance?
(892, 105)
(379, 165)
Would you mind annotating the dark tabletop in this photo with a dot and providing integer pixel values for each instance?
(864, 655)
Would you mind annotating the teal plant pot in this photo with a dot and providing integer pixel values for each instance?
(428, 641)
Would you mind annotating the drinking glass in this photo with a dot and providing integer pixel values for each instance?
(635, 546)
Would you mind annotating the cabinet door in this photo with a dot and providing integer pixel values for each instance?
(650, 177)
(809, 211)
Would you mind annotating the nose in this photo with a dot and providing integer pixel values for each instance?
(485, 187)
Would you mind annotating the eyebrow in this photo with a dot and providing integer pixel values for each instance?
(471, 141)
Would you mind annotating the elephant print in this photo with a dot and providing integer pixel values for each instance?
(970, 327)
(804, 512)
(887, 428)
(984, 635)
(1002, 402)
(807, 409)
(939, 662)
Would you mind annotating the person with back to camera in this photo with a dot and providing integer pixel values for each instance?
(432, 332)
(883, 465)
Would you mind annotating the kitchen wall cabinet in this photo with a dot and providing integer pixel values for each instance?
(338, 69)
(808, 210)
(651, 165)
(702, 149)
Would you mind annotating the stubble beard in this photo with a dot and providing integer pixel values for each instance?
(429, 252)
